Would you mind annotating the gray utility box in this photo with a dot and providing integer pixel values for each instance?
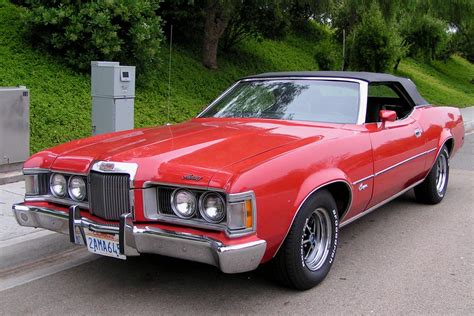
(14, 126)
(113, 96)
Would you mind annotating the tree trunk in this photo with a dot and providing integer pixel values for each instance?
(217, 19)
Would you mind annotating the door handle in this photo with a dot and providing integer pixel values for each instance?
(418, 132)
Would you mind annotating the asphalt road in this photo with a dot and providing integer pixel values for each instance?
(403, 258)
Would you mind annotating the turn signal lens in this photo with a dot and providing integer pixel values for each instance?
(240, 216)
(248, 209)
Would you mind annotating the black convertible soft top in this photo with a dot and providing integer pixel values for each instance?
(370, 77)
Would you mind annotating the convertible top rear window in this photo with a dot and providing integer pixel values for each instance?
(304, 100)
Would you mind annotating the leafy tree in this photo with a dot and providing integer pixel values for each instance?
(126, 31)
(426, 36)
(218, 14)
(375, 46)
(255, 18)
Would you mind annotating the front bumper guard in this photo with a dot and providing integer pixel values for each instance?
(134, 240)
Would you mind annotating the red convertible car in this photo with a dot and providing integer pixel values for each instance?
(268, 172)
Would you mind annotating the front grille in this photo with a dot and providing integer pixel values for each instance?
(164, 200)
(109, 195)
(43, 183)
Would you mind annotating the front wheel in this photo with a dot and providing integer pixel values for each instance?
(433, 188)
(308, 251)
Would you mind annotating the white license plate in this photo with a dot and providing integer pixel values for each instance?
(103, 244)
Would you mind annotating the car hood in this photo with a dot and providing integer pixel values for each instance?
(199, 147)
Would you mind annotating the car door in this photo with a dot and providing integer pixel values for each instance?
(398, 147)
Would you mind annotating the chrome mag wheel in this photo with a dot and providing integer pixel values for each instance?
(441, 173)
(316, 239)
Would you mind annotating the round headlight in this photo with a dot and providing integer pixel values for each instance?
(183, 203)
(77, 188)
(212, 207)
(58, 185)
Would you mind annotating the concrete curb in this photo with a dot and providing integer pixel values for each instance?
(468, 117)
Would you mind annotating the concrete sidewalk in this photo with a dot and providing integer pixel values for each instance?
(11, 193)
(10, 231)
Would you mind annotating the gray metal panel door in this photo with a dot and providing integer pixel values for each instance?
(14, 125)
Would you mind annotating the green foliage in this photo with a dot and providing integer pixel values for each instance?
(121, 30)
(426, 36)
(257, 19)
(375, 46)
(328, 55)
(60, 103)
(443, 83)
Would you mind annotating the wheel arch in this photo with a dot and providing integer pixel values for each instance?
(341, 191)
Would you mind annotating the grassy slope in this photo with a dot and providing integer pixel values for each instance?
(60, 97)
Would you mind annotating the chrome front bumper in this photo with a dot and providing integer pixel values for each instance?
(134, 240)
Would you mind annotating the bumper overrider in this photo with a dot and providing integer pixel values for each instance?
(134, 240)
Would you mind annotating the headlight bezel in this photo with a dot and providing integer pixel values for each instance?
(175, 208)
(69, 188)
(53, 192)
(202, 210)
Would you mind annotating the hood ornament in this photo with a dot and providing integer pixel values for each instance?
(192, 177)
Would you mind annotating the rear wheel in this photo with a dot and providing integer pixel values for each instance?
(433, 188)
(308, 251)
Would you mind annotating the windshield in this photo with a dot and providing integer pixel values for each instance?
(304, 100)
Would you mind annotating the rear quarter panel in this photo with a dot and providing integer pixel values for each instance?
(439, 125)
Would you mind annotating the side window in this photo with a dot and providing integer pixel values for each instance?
(387, 96)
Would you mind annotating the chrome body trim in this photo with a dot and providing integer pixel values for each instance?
(393, 166)
(344, 223)
(148, 184)
(307, 196)
(33, 171)
(363, 179)
(404, 161)
(192, 222)
(363, 92)
(135, 240)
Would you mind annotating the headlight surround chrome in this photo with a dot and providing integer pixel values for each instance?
(183, 203)
(77, 188)
(212, 207)
(58, 185)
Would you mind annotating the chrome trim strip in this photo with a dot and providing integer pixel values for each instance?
(223, 94)
(304, 200)
(393, 166)
(363, 179)
(33, 171)
(404, 161)
(149, 184)
(70, 173)
(344, 223)
(193, 222)
(363, 93)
